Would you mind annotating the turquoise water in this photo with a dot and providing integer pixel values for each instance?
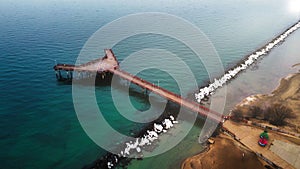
(39, 127)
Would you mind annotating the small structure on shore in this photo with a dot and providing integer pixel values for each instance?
(264, 137)
(211, 141)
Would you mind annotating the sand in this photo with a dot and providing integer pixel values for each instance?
(224, 153)
(287, 93)
(227, 153)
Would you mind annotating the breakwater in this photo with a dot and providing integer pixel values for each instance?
(245, 63)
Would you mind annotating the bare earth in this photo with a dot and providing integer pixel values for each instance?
(224, 153)
(280, 148)
(227, 153)
(287, 93)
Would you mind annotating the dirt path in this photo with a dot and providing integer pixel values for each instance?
(224, 153)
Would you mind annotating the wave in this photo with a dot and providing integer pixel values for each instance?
(211, 88)
(134, 148)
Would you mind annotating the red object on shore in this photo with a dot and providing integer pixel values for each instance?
(263, 142)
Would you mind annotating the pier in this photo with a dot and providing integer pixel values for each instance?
(280, 152)
(110, 64)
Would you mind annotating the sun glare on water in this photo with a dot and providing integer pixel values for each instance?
(294, 6)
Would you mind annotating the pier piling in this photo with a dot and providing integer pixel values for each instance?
(109, 65)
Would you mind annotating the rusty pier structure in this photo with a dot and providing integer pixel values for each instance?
(109, 65)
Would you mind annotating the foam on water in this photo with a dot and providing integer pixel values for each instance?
(152, 135)
(146, 140)
(210, 89)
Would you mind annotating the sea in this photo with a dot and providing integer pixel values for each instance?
(39, 127)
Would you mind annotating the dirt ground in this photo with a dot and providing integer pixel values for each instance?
(224, 153)
(287, 93)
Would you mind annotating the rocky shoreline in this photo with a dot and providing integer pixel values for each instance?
(217, 154)
(111, 160)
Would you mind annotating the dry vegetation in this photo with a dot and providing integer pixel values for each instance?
(275, 114)
(280, 108)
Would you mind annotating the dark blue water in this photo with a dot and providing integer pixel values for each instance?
(39, 127)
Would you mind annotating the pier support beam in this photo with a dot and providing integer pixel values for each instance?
(59, 74)
(56, 74)
(68, 76)
(145, 91)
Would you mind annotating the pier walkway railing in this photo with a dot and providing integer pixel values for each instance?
(110, 64)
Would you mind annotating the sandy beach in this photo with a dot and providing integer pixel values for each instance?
(224, 153)
(287, 93)
(229, 153)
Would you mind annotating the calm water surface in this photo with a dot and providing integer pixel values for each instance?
(39, 127)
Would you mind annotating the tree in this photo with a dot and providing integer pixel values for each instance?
(236, 115)
(255, 111)
(277, 113)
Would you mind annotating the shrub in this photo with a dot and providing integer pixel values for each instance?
(237, 115)
(256, 111)
(277, 113)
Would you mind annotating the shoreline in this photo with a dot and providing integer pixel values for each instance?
(245, 58)
(216, 156)
(122, 161)
(287, 91)
(246, 62)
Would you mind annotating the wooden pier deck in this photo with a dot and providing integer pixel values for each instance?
(110, 64)
(191, 105)
(249, 136)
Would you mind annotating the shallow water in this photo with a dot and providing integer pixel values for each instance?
(39, 127)
(264, 77)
